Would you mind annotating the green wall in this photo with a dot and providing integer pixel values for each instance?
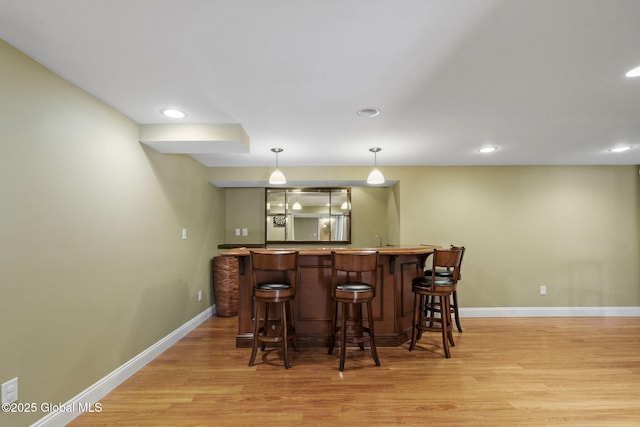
(245, 208)
(572, 228)
(94, 270)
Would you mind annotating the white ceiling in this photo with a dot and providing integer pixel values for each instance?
(543, 80)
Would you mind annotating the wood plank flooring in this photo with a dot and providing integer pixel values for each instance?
(503, 372)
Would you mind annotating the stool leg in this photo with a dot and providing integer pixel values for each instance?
(285, 337)
(343, 338)
(334, 324)
(455, 311)
(417, 309)
(265, 328)
(256, 320)
(423, 313)
(357, 314)
(292, 323)
(449, 321)
(431, 304)
(443, 325)
(372, 334)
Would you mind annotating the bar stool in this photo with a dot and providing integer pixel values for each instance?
(432, 303)
(274, 276)
(353, 283)
(433, 286)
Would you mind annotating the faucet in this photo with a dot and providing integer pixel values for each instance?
(376, 237)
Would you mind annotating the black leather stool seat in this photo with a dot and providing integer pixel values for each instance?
(354, 287)
(425, 282)
(273, 286)
(442, 272)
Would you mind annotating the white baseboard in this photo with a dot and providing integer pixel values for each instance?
(97, 391)
(549, 311)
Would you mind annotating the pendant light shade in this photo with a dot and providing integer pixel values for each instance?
(375, 177)
(277, 177)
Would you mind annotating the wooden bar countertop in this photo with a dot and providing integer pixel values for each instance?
(384, 250)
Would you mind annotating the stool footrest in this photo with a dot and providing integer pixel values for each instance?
(262, 337)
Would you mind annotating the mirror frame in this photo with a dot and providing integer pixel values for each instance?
(287, 212)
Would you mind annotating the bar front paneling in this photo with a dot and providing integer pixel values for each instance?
(392, 308)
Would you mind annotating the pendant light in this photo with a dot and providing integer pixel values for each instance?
(375, 177)
(277, 177)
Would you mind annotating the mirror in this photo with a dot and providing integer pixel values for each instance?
(308, 215)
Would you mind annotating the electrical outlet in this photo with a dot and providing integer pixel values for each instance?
(10, 391)
(184, 234)
(245, 232)
(199, 295)
(543, 290)
(237, 231)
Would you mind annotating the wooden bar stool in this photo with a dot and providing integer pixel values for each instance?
(274, 277)
(353, 283)
(435, 286)
(432, 302)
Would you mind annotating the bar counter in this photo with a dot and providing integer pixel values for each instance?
(392, 307)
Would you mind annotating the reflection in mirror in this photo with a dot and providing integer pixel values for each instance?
(308, 215)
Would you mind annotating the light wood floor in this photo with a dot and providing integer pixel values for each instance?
(503, 372)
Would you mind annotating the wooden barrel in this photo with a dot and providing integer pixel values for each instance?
(225, 285)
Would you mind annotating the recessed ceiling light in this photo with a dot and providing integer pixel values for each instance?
(173, 113)
(633, 73)
(620, 149)
(487, 149)
(368, 112)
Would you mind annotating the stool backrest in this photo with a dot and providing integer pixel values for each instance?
(274, 266)
(461, 257)
(354, 265)
(450, 259)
